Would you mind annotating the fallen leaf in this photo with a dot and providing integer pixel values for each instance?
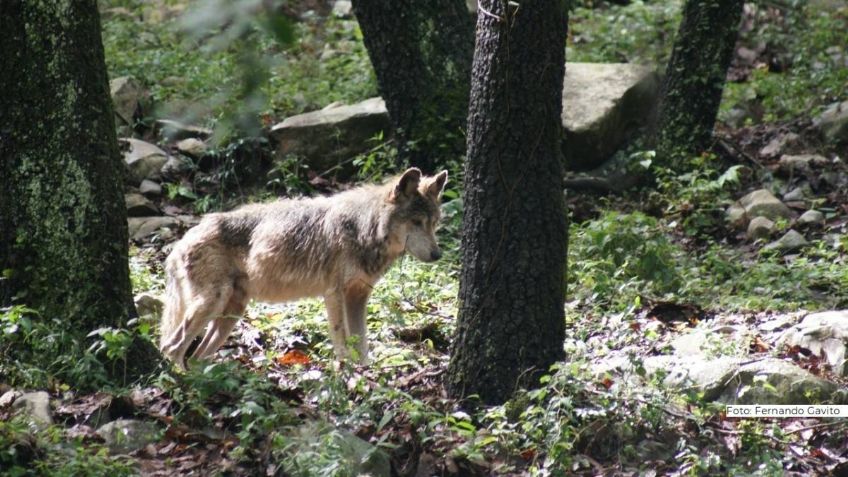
(293, 357)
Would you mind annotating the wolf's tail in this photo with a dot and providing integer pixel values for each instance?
(173, 310)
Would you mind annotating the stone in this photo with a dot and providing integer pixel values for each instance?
(759, 227)
(774, 381)
(176, 131)
(148, 304)
(192, 147)
(175, 167)
(356, 456)
(790, 241)
(825, 334)
(9, 397)
(325, 137)
(763, 203)
(139, 205)
(150, 188)
(128, 98)
(142, 227)
(833, 123)
(128, 435)
(604, 104)
(700, 374)
(797, 194)
(343, 9)
(36, 406)
(143, 160)
(811, 218)
(776, 146)
(736, 215)
(800, 163)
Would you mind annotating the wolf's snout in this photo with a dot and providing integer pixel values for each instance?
(435, 255)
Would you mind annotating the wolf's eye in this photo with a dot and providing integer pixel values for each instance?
(417, 222)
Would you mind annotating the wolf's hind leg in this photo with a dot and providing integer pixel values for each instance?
(220, 328)
(201, 310)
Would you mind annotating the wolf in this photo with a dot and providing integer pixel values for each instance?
(336, 247)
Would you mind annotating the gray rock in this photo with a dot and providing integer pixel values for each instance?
(150, 188)
(696, 373)
(148, 304)
(800, 163)
(343, 9)
(175, 130)
(790, 241)
(128, 435)
(142, 227)
(36, 406)
(760, 227)
(777, 145)
(143, 160)
(811, 217)
(325, 137)
(128, 98)
(355, 455)
(764, 204)
(175, 167)
(797, 194)
(736, 215)
(774, 381)
(192, 147)
(139, 205)
(825, 334)
(833, 123)
(9, 397)
(603, 105)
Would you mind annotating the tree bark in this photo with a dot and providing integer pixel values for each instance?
(514, 233)
(695, 78)
(63, 230)
(421, 52)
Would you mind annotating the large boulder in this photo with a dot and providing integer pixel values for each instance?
(36, 407)
(143, 160)
(603, 104)
(825, 334)
(326, 137)
(774, 381)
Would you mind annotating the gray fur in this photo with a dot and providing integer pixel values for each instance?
(337, 247)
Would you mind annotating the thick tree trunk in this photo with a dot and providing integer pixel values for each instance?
(421, 52)
(695, 78)
(63, 231)
(514, 235)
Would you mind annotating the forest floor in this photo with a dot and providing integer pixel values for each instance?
(646, 267)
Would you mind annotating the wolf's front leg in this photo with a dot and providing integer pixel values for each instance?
(334, 301)
(355, 301)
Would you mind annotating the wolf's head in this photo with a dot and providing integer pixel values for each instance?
(416, 215)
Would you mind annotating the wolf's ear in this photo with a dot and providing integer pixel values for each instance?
(407, 184)
(437, 185)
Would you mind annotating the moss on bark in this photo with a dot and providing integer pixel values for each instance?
(421, 52)
(511, 321)
(695, 78)
(63, 231)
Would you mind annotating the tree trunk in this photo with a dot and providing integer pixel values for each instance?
(514, 236)
(421, 52)
(695, 78)
(63, 230)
